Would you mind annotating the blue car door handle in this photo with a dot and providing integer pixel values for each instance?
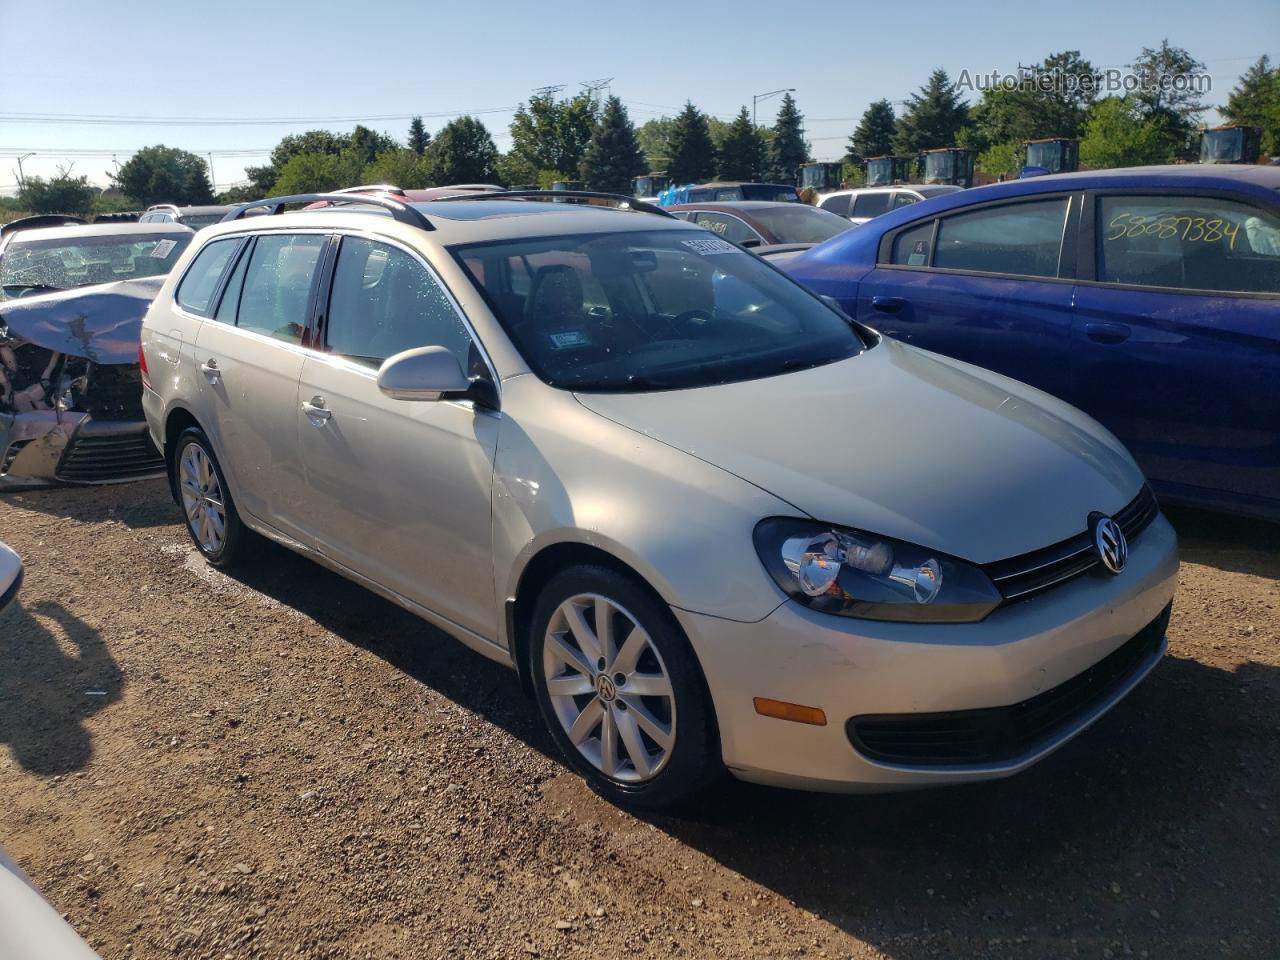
(1105, 332)
(888, 304)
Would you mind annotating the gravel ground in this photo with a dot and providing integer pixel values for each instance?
(284, 765)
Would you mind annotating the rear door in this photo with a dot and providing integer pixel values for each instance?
(249, 358)
(990, 285)
(1177, 331)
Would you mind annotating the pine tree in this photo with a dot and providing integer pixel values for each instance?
(934, 116)
(788, 149)
(1256, 102)
(873, 137)
(692, 155)
(419, 139)
(742, 154)
(613, 155)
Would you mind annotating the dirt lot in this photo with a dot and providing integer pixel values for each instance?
(285, 765)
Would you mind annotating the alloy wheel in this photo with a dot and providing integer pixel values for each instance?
(202, 498)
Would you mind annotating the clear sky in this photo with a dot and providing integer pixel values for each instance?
(324, 64)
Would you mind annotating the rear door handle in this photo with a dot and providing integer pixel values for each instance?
(317, 411)
(888, 304)
(1107, 332)
(210, 369)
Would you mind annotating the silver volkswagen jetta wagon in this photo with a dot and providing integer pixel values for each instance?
(711, 522)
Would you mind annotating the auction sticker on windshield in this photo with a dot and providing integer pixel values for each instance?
(163, 249)
(708, 246)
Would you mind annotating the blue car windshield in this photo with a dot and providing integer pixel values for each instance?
(652, 310)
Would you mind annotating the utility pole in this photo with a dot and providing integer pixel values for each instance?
(765, 96)
(22, 180)
(592, 88)
(212, 185)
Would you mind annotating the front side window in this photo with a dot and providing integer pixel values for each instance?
(870, 204)
(201, 279)
(277, 285)
(1016, 238)
(654, 310)
(384, 301)
(731, 228)
(35, 266)
(1193, 243)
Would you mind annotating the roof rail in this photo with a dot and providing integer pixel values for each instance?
(400, 212)
(621, 199)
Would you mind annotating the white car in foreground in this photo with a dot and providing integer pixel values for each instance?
(10, 575)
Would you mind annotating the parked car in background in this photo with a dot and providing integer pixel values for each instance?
(70, 384)
(1148, 297)
(709, 520)
(10, 576)
(728, 191)
(193, 217)
(763, 225)
(862, 204)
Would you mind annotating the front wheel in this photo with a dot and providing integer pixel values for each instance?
(621, 691)
(210, 513)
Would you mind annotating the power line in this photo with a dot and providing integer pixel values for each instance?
(137, 120)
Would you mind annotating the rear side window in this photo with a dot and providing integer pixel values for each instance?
(904, 199)
(201, 280)
(839, 205)
(870, 204)
(277, 285)
(1017, 238)
(1193, 243)
(911, 246)
(731, 228)
(384, 302)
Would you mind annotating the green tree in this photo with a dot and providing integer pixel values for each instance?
(691, 155)
(654, 137)
(463, 152)
(933, 118)
(1119, 134)
(241, 194)
(741, 155)
(367, 144)
(263, 179)
(401, 168)
(788, 149)
(61, 194)
(613, 156)
(1255, 101)
(310, 173)
(1172, 105)
(419, 139)
(112, 201)
(873, 137)
(551, 134)
(163, 174)
(1051, 103)
(1001, 158)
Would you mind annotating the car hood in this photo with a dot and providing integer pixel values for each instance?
(102, 323)
(904, 443)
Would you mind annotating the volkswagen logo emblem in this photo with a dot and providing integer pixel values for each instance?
(605, 688)
(1109, 541)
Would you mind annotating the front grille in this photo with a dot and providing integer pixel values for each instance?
(1021, 577)
(1002, 734)
(105, 451)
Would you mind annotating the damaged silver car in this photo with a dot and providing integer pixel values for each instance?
(71, 305)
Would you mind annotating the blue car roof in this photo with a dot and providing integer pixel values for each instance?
(858, 246)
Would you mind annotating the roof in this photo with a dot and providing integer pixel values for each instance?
(100, 230)
(730, 206)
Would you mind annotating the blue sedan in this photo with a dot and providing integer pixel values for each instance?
(1148, 297)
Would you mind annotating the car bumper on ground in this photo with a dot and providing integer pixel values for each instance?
(1024, 656)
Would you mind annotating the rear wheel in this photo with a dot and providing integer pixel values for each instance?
(621, 691)
(211, 516)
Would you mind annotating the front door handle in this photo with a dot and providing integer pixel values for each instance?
(210, 369)
(1107, 332)
(888, 304)
(317, 411)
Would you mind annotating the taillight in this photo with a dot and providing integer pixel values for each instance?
(142, 365)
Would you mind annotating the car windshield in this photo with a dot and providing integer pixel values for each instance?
(652, 310)
(800, 223)
(66, 263)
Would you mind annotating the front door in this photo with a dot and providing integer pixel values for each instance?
(249, 358)
(399, 491)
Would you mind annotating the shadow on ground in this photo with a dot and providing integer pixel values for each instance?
(147, 504)
(1155, 826)
(1239, 544)
(47, 695)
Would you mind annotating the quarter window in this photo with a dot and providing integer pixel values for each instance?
(277, 285)
(384, 301)
(911, 246)
(201, 280)
(1018, 238)
(731, 228)
(1195, 243)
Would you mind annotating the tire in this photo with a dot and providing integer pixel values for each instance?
(204, 497)
(581, 703)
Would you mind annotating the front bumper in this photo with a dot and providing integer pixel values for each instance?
(855, 668)
(44, 448)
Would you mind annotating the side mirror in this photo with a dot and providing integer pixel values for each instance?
(423, 373)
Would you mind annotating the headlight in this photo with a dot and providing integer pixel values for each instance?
(857, 574)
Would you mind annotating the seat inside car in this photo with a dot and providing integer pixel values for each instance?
(556, 297)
